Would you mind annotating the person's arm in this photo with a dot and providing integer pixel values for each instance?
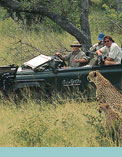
(99, 52)
(82, 60)
(112, 55)
(93, 48)
(109, 59)
(60, 55)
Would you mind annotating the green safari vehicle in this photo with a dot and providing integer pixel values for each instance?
(43, 75)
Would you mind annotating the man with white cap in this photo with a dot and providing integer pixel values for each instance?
(75, 58)
(100, 43)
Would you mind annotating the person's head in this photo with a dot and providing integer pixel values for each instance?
(76, 45)
(100, 36)
(108, 40)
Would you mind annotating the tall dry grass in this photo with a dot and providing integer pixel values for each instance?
(69, 124)
(19, 45)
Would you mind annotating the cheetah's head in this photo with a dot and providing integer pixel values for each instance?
(103, 107)
(93, 75)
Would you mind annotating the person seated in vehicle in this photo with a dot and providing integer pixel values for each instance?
(75, 58)
(100, 43)
(112, 51)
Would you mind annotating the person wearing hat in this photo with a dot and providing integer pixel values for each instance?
(75, 58)
(100, 43)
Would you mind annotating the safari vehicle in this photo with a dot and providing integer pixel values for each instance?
(43, 74)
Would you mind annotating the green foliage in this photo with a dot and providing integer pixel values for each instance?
(110, 19)
(104, 19)
(3, 14)
(8, 27)
(66, 8)
(114, 18)
(113, 4)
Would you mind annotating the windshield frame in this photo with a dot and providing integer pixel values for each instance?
(37, 61)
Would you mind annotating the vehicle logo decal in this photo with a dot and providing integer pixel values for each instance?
(71, 82)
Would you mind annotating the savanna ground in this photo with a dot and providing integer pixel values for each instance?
(64, 123)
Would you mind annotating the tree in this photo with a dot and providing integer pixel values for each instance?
(114, 18)
(60, 17)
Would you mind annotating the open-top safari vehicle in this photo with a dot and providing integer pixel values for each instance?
(43, 74)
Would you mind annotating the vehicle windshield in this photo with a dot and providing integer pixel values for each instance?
(37, 61)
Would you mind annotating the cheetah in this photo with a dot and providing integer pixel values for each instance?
(113, 123)
(105, 91)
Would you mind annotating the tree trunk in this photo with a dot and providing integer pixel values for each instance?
(84, 5)
(83, 36)
(90, 2)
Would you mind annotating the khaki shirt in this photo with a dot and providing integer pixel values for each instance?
(71, 56)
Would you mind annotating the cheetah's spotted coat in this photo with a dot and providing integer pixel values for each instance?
(113, 123)
(105, 91)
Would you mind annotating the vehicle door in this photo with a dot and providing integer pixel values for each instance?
(72, 79)
(42, 77)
